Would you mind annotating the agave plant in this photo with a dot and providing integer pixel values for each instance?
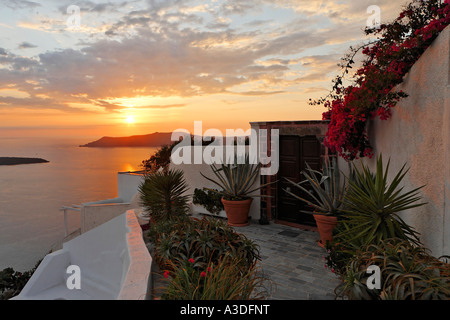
(163, 193)
(372, 206)
(407, 272)
(236, 180)
(327, 195)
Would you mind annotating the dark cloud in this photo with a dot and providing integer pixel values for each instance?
(26, 45)
(240, 6)
(20, 4)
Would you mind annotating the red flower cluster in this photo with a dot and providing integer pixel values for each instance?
(203, 274)
(387, 61)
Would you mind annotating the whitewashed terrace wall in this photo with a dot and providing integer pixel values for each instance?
(418, 133)
(127, 185)
(114, 262)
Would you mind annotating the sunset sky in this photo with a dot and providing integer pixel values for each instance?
(136, 67)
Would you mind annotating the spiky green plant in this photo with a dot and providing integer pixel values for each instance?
(372, 206)
(327, 194)
(236, 179)
(163, 193)
(407, 272)
(206, 239)
(219, 280)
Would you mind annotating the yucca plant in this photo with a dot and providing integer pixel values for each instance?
(372, 206)
(327, 194)
(163, 194)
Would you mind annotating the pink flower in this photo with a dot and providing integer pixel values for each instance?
(166, 274)
(191, 260)
(203, 274)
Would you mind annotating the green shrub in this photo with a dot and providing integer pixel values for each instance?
(160, 159)
(408, 272)
(370, 213)
(225, 279)
(163, 194)
(209, 199)
(12, 281)
(187, 248)
(206, 240)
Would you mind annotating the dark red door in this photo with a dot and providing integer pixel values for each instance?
(295, 152)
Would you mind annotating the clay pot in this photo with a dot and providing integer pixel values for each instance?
(325, 224)
(237, 212)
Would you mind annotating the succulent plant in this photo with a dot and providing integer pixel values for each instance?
(327, 194)
(236, 180)
(408, 272)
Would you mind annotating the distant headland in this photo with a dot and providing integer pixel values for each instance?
(156, 139)
(9, 161)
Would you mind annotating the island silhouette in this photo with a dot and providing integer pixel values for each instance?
(156, 139)
(9, 161)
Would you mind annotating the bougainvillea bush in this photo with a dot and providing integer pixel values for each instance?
(387, 59)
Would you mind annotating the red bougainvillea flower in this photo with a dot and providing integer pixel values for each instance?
(388, 59)
(191, 260)
(203, 274)
(166, 274)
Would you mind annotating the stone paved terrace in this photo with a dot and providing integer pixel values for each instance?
(294, 262)
(291, 258)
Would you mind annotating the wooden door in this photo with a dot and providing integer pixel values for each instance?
(295, 152)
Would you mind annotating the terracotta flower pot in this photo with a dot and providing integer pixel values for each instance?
(237, 212)
(325, 224)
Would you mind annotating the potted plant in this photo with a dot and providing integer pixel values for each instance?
(236, 181)
(324, 194)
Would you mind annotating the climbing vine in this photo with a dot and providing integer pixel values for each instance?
(387, 59)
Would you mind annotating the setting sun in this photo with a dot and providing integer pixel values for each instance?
(129, 119)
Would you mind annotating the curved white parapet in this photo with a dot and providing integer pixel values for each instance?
(113, 261)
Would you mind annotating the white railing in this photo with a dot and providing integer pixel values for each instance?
(74, 207)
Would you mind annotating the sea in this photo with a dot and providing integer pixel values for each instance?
(31, 195)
